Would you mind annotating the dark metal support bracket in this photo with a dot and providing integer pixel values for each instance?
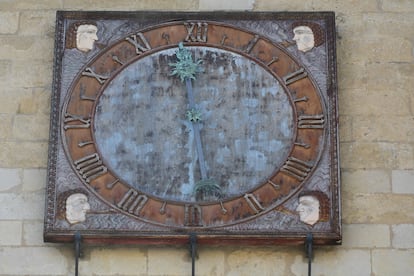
(193, 252)
(309, 251)
(78, 251)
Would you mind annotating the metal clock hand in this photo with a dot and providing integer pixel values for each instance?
(194, 116)
(186, 69)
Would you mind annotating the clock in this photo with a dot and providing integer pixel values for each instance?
(219, 124)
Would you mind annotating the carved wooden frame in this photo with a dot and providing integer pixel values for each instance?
(106, 224)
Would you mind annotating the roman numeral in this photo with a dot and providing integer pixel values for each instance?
(274, 185)
(90, 73)
(132, 202)
(192, 215)
(162, 209)
(296, 168)
(81, 122)
(253, 203)
(295, 76)
(117, 60)
(273, 60)
(140, 42)
(196, 32)
(311, 121)
(112, 184)
(251, 44)
(223, 39)
(166, 37)
(83, 96)
(303, 145)
(90, 167)
(223, 210)
(85, 143)
(303, 99)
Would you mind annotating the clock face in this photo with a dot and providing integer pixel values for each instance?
(257, 142)
(204, 125)
(246, 128)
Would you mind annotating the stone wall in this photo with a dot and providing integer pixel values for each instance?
(376, 83)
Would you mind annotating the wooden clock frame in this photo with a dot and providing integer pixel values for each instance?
(115, 211)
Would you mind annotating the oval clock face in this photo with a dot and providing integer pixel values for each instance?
(143, 134)
(234, 142)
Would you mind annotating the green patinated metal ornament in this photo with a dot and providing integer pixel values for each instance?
(194, 115)
(185, 67)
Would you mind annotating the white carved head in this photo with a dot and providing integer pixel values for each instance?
(86, 37)
(76, 208)
(305, 40)
(308, 209)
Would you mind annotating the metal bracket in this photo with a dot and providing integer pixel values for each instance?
(309, 251)
(78, 251)
(193, 251)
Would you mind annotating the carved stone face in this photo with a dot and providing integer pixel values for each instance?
(304, 38)
(76, 207)
(308, 209)
(86, 37)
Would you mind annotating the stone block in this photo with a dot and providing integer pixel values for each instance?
(403, 236)
(9, 100)
(39, 23)
(31, 128)
(396, 129)
(24, 76)
(249, 261)
(334, 261)
(41, 96)
(17, 5)
(375, 49)
(169, 261)
(10, 179)
(345, 128)
(34, 180)
(395, 77)
(360, 155)
(226, 5)
(132, 5)
(350, 75)
(35, 100)
(5, 68)
(114, 261)
(211, 261)
(23, 154)
(402, 6)
(6, 123)
(377, 209)
(358, 102)
(403, 181)
(33, 233)
(22, 206)
(9, 22)
(366, 236)
(387, 24)
(350, 7)
(366, 181)
(10, 233)
(386, 262)
(26, 48)
(348, 24)
(284, 5)
(32, 261)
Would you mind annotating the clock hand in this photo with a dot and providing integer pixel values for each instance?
(194, 116)
(186, 69)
